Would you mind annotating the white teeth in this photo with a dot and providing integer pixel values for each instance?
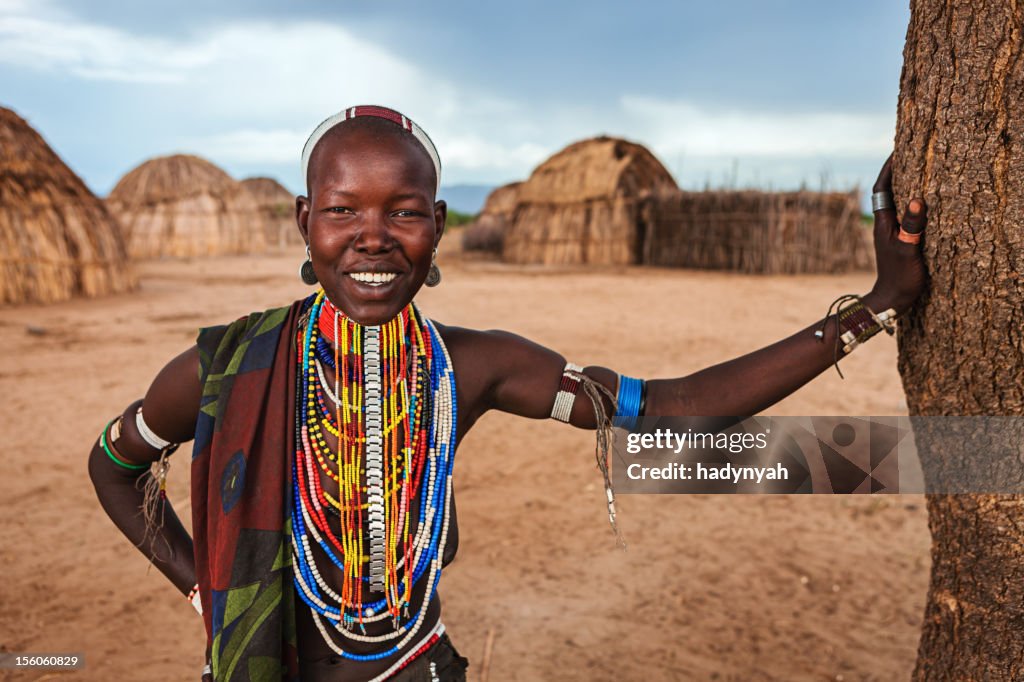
(375, 278)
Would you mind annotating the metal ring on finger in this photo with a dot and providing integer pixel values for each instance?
(909, 237)
(882, 201)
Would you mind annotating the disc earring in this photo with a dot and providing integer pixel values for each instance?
(434, 273)
(306, 271)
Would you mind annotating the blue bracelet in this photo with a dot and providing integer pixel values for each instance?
(628, 401)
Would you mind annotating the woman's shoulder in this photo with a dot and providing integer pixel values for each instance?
(489, 354)
(260, 321)
(223, 343)
(463, 339)
(478, 341)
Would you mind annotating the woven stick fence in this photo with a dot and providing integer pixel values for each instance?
(755, 232)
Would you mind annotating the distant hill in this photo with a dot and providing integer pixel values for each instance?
(465, 198)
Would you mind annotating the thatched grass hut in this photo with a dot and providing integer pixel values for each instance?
(756, 232)
(57, 240)
(277, 206)
(487, 232)
(185, 206)
(582, 205)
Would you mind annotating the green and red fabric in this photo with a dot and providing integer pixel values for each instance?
(241, 483)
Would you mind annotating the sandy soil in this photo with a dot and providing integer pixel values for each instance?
(711, 588)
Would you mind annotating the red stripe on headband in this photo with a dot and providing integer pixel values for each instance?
(381, 112)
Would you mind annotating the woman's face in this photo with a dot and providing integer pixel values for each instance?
(370, 220)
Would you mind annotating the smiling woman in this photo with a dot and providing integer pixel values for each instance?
(325, 432)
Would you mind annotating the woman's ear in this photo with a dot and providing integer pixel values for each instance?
(440, 216)
(302, 216)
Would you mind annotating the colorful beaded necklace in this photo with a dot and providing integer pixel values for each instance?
(387, 394)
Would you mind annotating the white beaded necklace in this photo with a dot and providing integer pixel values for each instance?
(439, 455)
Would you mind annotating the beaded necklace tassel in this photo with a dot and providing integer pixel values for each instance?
(374, 455)
(391, 407)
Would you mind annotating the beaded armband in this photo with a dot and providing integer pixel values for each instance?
(855, 324)
(567, 389)
(573, 379)
(858, 323)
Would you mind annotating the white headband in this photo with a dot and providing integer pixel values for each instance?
(379, 112)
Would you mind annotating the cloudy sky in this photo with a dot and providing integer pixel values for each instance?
(772, 93)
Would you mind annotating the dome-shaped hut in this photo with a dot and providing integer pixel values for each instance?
(185, 206)
(487, 232)
(277, 206)
(57, 240)
(583, 205)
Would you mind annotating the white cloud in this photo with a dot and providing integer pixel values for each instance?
(681, 127)
(248, 146)
(19, 6)
(250, 77)
(252, 90)
(473, 152)
(51, 43)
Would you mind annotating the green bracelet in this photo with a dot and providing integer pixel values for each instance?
(113, 457)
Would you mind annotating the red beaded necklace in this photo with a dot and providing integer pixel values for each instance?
(405, 353)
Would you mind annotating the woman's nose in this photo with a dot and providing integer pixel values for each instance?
(373, 235)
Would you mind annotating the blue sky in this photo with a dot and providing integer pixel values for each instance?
(770, 93)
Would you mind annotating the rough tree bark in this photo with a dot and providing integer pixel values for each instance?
(960, 138)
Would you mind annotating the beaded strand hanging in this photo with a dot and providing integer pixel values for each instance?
(387, 394)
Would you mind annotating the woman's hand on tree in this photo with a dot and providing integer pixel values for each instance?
(901, 272)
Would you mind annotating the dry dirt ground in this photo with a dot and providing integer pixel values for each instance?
(711, 588)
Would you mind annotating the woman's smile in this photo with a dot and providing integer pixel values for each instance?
(372, 286)
(374, 279)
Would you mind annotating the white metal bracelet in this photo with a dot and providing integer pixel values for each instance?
(147, 433)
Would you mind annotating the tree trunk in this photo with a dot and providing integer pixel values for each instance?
(959, 143)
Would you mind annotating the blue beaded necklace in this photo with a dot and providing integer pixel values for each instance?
(438, 403)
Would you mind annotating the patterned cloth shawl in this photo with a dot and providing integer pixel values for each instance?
(240, 495)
